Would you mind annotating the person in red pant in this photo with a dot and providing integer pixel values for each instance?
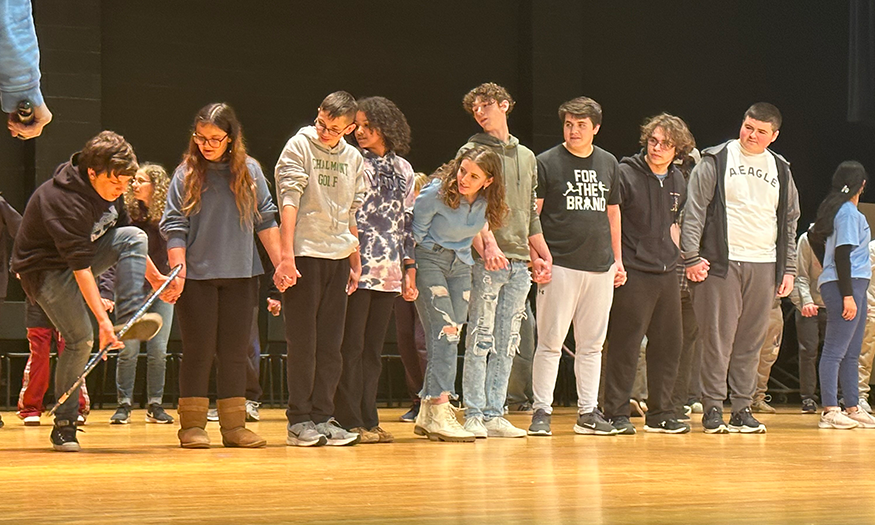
(40, 334)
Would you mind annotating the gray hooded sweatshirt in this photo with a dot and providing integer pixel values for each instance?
(520, 174)
(327, 186)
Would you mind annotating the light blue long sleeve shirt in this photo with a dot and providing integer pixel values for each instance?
(19, 56)
(435, 223)
(217, 245)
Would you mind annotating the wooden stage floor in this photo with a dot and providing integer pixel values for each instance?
(137, 474)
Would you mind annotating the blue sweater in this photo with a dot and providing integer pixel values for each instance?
(435, 223)
(217, 245)
(19, 56)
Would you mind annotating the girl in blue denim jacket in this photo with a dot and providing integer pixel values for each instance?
(463, 197)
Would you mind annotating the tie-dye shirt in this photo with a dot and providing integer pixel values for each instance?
(384, 221)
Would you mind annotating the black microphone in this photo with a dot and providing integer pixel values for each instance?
(25, 112)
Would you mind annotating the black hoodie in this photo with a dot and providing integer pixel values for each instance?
(63, 219)
(648, 209)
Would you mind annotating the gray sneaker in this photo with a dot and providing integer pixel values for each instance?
(336, 435)
(304, 434)
(540, 423)
(623, 425)
(252, 411)
(594, 423)
(864, 404)
(212, 414)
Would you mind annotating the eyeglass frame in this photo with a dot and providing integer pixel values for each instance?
(214, 143)
(331, 132)
(665, 145)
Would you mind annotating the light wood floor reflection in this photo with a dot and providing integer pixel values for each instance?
(137, 474)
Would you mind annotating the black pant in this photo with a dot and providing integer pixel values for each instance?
(314, 311)
(411, 345)
(648, 304)
(687, 386)
(367, 318)
(215, 318)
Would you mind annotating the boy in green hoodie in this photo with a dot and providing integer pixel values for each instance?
(501, 278)
(320, 185)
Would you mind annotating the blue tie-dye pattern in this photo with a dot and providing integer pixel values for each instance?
(384, 221)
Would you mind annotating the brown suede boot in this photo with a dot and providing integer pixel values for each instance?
(193, 420)
(232, 420)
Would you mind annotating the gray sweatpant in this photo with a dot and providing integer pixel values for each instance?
(733, 314)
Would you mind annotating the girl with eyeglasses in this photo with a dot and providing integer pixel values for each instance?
(218, 200)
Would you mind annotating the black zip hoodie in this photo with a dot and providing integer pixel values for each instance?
(648, 210)
(63, 219)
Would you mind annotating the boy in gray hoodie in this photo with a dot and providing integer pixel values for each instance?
(501, 278)
(320, 185)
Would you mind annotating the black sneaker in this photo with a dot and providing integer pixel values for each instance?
(64, 436)
(594, 423)
(712, 420)
(122, 415)
(809, 406)
(667, 426)
(681, 414)
(155, 414)
(744, 422)
(623, 425)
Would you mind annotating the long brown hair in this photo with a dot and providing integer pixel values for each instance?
(159, 179)
(242, 184)
(490, 163)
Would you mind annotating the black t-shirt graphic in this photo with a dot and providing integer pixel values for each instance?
(576, 193)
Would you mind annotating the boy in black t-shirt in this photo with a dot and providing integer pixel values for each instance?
(578, 202)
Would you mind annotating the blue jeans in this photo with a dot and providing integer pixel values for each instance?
(498, 307)
(156, 360)
(444, 284)
(59, 296)
(841, 345)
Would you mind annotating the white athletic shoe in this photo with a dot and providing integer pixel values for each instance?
(31, 421)
(834, 418)
(862, 418)
(475, 426)
(499, 427)
(864, 404)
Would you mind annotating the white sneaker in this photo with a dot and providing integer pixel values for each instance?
(444, 426)
(499, 427)
(864, 404)
(80, 420)
(252, 410)
(475, 426)
(31, 421)
(213, 414)
(834, 418)
(863, 419)
(697, 407)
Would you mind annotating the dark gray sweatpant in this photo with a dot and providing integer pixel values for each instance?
(733, 314)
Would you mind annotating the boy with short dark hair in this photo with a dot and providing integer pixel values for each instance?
(320, 185)
(75, 226)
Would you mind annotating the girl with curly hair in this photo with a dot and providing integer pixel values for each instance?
(386, 248)
(465, 195)
(218, 200)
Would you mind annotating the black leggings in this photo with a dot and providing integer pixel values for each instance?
(215, 318)
(367, 318)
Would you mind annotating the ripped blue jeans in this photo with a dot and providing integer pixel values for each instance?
(444, 284)
(498, 306)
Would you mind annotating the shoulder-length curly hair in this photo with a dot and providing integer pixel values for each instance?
(676, 132)
(385, 117)
(160, 180)
(242, 184)
(488, 161)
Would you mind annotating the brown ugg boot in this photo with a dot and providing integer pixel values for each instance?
(193, 420)
(232, 420)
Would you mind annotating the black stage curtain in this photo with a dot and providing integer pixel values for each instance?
(861, 62)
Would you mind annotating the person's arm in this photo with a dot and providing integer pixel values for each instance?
(88, 287)
(424, 210)
(542, 260)
(355, 261)
(616, 244)
(700, 191)
(19, 69)
(286, 273)
(267, 229)
(408, 269)
(792, 219)
(485, 244)
(846, 287)
(802, 295)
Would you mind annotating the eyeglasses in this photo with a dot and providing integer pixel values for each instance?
(665, 144)
(332, 132)
(200, 140)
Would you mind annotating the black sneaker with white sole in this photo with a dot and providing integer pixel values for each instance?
(623, 425)
(122, 415)
(64, 436)
(594, 423)
(667, 426)
(156, 414)
(712, 421)
(743, 422)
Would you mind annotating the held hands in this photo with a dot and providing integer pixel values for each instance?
(355, 273)
(408, 286)
(850, 308)
(542, 271)
(174, 289)
(809, 310)
(493, 258)
(41, 117)
(620, 277)
(286, 274)
(699, 272)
